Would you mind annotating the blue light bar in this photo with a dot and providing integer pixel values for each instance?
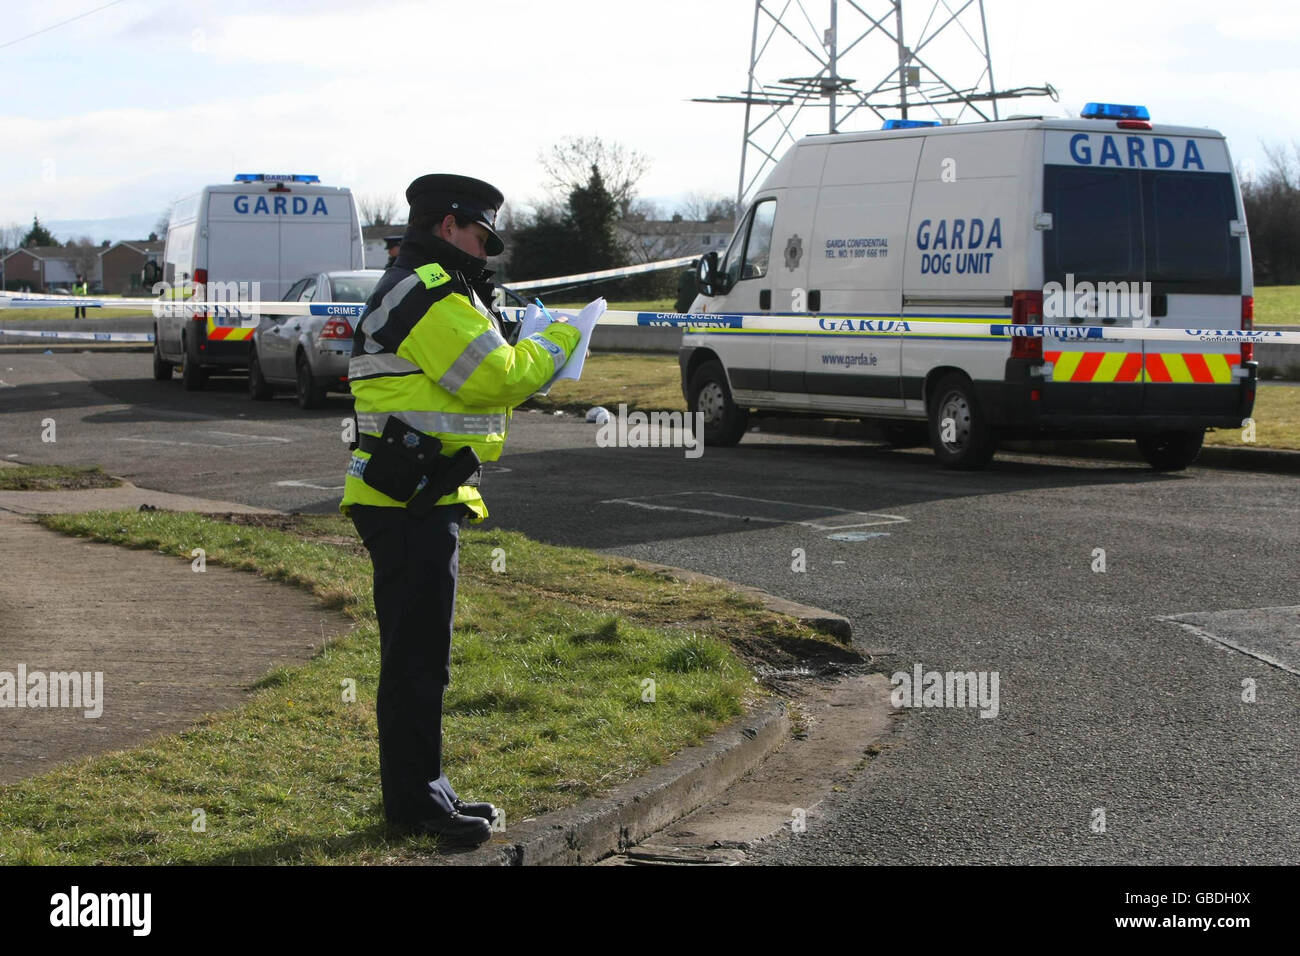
(1117, 111)
(909, 124)
(276, 178)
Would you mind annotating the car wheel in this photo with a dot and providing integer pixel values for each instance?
(310, 395)
(724, 421)
(259, 389)
(1171, 451)
(162, 369)
(193, 375)
(959, 430)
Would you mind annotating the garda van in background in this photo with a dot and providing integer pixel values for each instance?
(269, 229)
(1107, 220)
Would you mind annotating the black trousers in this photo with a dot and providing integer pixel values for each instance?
(416, 562)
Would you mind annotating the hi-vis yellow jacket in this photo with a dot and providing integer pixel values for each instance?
(427, 350)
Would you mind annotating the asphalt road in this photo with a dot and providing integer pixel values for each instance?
(1103, 706)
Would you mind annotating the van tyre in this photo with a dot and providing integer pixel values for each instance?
(310, 395)
(724, 422)
(259, 389)
(193, 375)
(162, 369)
(1171, 451)
(973, 441)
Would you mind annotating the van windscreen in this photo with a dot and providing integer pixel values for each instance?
(1166, 227)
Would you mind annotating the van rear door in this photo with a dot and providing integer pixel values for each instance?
(1095, 242)
(1194, 264)
(1141, 235)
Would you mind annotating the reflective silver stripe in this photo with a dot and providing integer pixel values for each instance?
(471, 359)
(435, 423)
(557, 353)
(374, 321)
(361, 366)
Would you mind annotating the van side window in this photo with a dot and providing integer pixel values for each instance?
(747, 256)
(759, 246)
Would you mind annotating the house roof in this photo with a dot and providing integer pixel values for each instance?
(50, 252)
(379, 232)
(142, 246)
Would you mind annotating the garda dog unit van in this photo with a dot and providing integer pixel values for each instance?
(1107, 221)
(269, 229)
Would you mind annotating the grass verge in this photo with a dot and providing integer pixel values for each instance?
(545, 706)
(1277, 421)
(1277, 305)
(55, 478)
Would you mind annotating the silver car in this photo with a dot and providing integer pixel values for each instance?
(309, 352)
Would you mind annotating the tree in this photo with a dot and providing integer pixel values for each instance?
(563, 240)
(1272, 203)
(161, 226)
(378, 210)
(708, 207)
(38, 235)
(569, 162)
(11, 237)
(84, 255)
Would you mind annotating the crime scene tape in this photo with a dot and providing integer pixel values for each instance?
(250, 313)
(584, 277)
(79, 336)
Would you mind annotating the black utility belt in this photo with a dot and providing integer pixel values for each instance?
(409, 466)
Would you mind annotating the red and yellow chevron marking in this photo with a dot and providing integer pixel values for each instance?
(1204, 368)
(228, 333)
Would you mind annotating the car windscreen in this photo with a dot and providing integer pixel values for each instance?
(1170, 228)
(353, 288)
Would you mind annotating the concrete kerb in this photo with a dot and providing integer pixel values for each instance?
(640, 808)
(594, 828)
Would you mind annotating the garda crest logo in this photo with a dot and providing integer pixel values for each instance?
(793, 252)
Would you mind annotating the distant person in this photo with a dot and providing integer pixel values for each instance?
(686, 289)
(393, 244)
(80, 287)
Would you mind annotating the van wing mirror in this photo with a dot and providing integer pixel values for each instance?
(706, 276)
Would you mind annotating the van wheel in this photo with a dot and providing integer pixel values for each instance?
(162, 369)
(1171, 451)
(959, 429)
(193, 375)
(258, 387)
(724, 422)
(310, 395)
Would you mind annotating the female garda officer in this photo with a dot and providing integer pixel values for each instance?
(434, 381)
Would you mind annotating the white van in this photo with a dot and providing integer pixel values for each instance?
(270, 229)
(988, 222)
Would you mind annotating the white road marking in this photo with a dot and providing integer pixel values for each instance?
(842, 519)
(1213, 638)
(252, 440)
(307, 483)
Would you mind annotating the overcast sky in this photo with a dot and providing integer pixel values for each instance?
(123, 110)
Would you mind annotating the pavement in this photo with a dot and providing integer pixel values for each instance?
(71, 604)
